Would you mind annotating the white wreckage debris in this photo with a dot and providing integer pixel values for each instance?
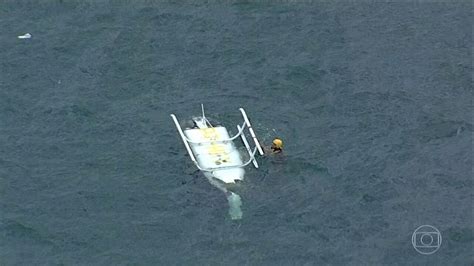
(24, 36)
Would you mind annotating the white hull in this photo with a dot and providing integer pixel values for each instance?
(210, 153)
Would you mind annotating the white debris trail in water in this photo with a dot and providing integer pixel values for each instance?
(235, 202)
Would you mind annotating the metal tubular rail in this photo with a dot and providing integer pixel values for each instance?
(246, 143)
(183, 137)
(251, 131)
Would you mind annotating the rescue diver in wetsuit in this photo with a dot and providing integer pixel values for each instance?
(277, 146)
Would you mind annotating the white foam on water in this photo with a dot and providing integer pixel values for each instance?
(234, 206)
(234, 200)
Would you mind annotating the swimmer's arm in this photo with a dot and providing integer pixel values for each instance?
(269, 151)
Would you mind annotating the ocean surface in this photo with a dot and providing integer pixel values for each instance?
(373, 101)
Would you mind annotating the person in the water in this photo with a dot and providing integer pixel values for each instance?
(277, 146)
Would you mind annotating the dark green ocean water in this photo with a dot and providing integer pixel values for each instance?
(372, 99)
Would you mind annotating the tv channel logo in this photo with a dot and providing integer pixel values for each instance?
(426, 239)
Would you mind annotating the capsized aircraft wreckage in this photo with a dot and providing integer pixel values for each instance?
(214, 152)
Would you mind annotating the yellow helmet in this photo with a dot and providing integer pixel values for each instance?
(278, 143)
